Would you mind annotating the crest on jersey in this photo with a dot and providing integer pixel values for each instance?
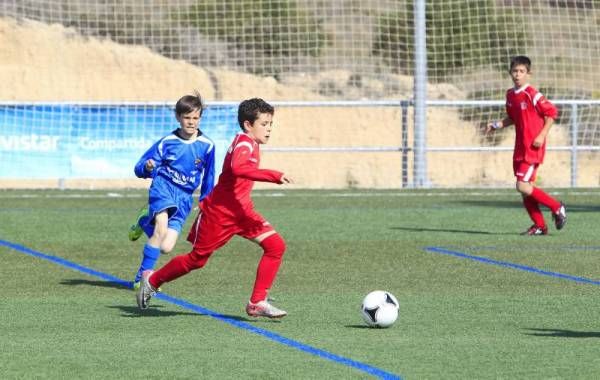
(523, 105)
(197, 162)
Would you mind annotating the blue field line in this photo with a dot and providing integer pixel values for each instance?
(379, 373)
(508, 264)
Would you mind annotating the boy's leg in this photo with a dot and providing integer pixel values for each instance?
(151, 251)
(559, 211)
(274, 248)
(539, 224)
(211, 235)
(533, 209)
(545, 199)
(268, 266)
(148, 227)
(526, 174)
(532, 197)
(256, 228)
(136, 230)
(177, 267)
(150, 256)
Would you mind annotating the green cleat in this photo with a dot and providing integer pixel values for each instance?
(135, 230)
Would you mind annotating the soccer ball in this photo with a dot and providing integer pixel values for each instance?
(379, 309)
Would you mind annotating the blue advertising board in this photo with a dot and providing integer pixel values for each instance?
(94, 141)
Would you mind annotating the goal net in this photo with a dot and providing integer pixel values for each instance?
(58, 56)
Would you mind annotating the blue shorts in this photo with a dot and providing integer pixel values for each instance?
(163, 195)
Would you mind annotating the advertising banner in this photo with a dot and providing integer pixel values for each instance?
(94, 141)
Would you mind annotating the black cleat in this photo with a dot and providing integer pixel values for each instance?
(560, 217)
(535, 231)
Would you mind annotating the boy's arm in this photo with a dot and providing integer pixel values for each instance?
(242, 166)
(549, 112)
(541, 137)
(145, 169)
(506, 122)
(208, 182)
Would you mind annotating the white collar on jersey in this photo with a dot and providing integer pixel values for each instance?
(520, 89)
(191, 140)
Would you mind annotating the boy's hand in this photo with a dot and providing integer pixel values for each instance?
(491, 127)
(149, 165)
(285, 179)
(539, 140)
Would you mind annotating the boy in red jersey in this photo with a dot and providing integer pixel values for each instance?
(228, 210)
(532, 115)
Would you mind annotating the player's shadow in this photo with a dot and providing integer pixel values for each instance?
(104, 284)
(560, 333)
(153, 311)
(519, 205)
(452, 230)
(157, 311)
(585, 208)
(490, 203)
(361, 327)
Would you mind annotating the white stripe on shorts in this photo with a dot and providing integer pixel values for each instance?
(529, 173)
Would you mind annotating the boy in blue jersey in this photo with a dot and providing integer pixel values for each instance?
(178, 164)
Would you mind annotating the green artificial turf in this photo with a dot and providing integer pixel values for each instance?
(460, 317)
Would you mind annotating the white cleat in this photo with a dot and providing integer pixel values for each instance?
(145, 291)
(264, 309)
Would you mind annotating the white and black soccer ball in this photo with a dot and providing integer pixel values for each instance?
(379, 309)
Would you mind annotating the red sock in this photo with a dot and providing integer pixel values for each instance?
(274, 247)
(543, 198)
(177, 267)
(533, 209)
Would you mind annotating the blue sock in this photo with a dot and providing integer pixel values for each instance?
(149, 259)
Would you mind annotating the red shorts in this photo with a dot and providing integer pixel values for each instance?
(211, 230)
(525, 171)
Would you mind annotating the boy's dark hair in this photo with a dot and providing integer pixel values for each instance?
(520, 60)
(189, 103)
(250, 108)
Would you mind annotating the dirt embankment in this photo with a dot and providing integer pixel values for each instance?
(42, 62)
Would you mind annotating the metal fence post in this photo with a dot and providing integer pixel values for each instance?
(574, 130)
(420, 96)
(404, 109)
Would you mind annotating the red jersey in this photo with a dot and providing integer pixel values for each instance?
(231, 195)
(527, 108)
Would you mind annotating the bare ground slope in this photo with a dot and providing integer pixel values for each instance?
(40, 62)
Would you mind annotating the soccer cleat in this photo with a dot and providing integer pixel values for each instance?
(264, 309)
(135, 230)
(136, 285)
(145, 291)
(560, 217)
(535, 231)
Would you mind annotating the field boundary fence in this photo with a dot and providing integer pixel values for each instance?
(47, 132)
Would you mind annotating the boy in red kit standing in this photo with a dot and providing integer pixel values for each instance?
(532, 115)
(229, 211)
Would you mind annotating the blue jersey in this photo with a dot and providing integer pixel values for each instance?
(186, 164)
